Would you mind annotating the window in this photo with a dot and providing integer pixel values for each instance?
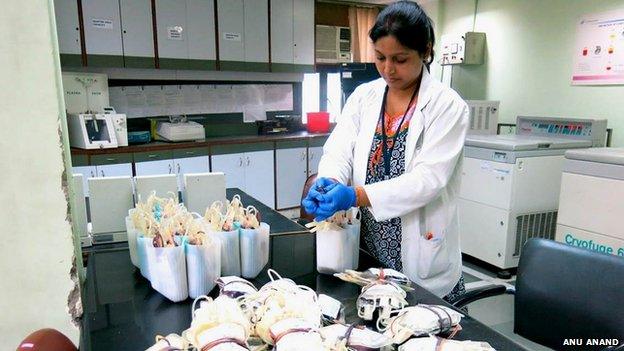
(310, 95)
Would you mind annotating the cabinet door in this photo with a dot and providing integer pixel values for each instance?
(259, 177)
(154, 167)
(231, 32)
(282, 32)
(190, 165)
(291, 176)
(68, 31)
(87, 172)
(256, 36)
(137, 34)
(232, 166)
(200, 22)
(172, 33)
(314, 157)
(102, 29)
(118, 170)
(303, 32)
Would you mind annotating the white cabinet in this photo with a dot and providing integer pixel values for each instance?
(252, 172)
(118, 33)
(171, 29)
(243, 34)
(200, 22)
(182, 166)
(156, 167)
(68, 30)
(292, 35)
(232, 165)
(314, 157)
(102, 30)
(291, 176)
(303, 32)
(115, 170)
(282, 39)
(137, 34)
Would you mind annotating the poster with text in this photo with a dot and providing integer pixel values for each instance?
(599, 51)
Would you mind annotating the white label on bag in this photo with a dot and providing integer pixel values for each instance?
(102, 23)
(329, 306)
(232, 36)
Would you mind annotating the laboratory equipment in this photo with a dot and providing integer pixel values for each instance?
(91, 131)
(178, 128)
(590, 205)
(202, 189)
(510, 184)
(79, 211)
(162, 185)
(462, 49)
(85, 92)
(483, 116)
(109, 201)
(120, 124)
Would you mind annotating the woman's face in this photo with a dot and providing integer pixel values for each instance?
(399, 66)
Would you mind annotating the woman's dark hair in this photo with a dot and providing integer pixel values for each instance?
(408, 23)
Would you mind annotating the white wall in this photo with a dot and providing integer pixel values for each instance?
(37, 249)
(528, 67)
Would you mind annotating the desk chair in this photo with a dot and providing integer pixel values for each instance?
(564, 292)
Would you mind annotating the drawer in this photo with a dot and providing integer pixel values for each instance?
(153, 156)
(111, 159)
(240, 148)
(192, 152)
(290, 144)
(79, 160)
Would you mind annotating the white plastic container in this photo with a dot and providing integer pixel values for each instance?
(132, 241)
(254, 250)
(203, 266)
(167, 268)
(230, 252)
(142, 246)
(338, 250)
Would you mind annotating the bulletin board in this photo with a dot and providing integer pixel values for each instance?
(252, 100)
(599, 50)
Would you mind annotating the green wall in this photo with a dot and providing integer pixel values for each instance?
(528, 67)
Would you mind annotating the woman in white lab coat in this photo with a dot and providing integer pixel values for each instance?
(398, 143)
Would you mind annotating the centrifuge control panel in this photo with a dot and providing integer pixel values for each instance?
(585, 129)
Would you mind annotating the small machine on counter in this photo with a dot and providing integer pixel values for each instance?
(178, 128)
(510, 185)
(91, 122)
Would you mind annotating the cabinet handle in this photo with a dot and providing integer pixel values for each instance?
(248, 161)
(111, 159)
(92, 175)
(311, 155)
(178, 167)
(190, 152)
(169, 168)
(152, 156)
(103, 175)
(240, 161)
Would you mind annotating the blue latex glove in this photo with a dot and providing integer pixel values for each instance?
(339, 198)
(320, 187)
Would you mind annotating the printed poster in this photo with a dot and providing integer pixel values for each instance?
(599, 51)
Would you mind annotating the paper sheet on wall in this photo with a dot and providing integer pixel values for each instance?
(278, 97)
(132, 98)
(192, 99)
(173, 100)
(599, 50)
(154, 100)
(252, 113)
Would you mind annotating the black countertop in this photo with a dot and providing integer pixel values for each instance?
(122, 311)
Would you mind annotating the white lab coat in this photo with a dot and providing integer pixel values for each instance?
(425, 196)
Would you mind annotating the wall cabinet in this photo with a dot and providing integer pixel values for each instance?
(68, 32)
(291, 173)
(251, 172)
(243, 35)
(118, 33)
(292, 35)
(179, 162)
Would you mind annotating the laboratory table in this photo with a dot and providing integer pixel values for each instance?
(122, 311)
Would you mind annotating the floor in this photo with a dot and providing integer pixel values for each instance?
(495, 312)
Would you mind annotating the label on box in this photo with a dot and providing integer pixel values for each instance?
(175, 33)
(232, 36)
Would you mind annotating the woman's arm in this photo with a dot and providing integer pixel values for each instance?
(434, 165)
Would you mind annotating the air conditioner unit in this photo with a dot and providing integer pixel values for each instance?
(333, 44)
